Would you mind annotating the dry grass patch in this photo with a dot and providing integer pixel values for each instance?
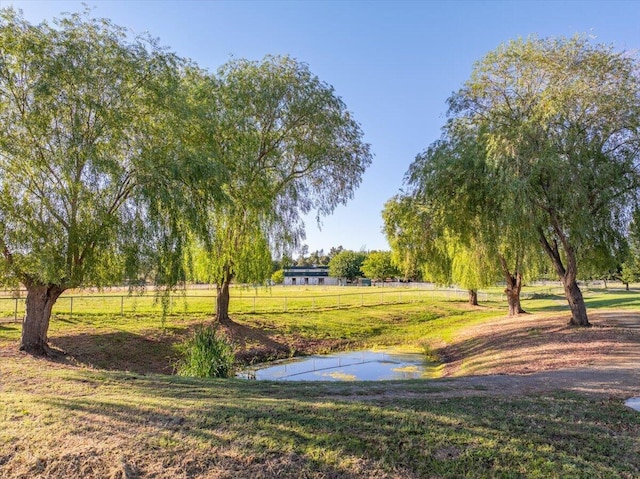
(538, 342)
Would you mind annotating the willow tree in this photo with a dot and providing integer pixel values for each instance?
(560, 119)
(86, 159)
(486, 226)
(420, 240)
(288, 146)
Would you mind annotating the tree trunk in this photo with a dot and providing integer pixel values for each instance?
(222, 302)
(513, 288)
(626, 286)
(473, 297)
(576, 303)
(40, 301)
(513, 300)
(568, 277)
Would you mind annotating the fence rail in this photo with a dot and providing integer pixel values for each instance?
(193, 302)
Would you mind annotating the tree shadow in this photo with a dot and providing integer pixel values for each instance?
(121, 350)
(545, 344)
(157, 352)
(324, 430)
(633, 300)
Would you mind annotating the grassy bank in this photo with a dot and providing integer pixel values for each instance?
(146, 343)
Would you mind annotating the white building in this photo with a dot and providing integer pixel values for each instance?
(315, 275)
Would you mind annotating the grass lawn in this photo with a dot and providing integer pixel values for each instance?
(102, 412)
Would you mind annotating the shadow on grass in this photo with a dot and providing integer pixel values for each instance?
(155, 351)
(122, 350)
(604, 299)
(547, 343)
(356, 430)
(617, 299)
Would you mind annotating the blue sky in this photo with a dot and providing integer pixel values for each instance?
(393, 63)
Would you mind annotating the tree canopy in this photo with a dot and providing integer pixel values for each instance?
(475, 232)
(409, 229)
(92, 162)
(378, 265)
(540, 154)
(560, 121)
(347, 264)
(288, 146)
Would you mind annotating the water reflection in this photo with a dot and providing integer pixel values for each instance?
(376, 365)
(633, 403)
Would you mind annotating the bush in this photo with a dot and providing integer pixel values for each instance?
(278, 277)
(207, 355)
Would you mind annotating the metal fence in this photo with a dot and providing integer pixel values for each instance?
(195, 302)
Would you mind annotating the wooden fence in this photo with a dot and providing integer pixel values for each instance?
(195, 302)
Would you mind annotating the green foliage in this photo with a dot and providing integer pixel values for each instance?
(93, 161)
(378, 265)
(278, 276)
(473, 228)
(288, 146)
(557, 120)
(630, 268)
(540, 151)
(315, 258)
(207, 355)
(629, 272)
(347, 264)
(407, 226)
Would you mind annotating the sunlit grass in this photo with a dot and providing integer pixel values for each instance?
(60, 421)
(403, 429)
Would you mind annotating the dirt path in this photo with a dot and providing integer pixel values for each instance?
(536, 354)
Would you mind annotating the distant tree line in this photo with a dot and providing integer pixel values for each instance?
(348, 264)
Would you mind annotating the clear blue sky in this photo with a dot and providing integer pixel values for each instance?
(393, 63)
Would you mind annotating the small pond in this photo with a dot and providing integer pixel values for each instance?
(373, 365)
(633, 403)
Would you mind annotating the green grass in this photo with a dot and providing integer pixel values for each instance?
(176, 426)
(277, 299)
(58, 420)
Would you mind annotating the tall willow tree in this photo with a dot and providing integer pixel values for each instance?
(487, 229)
(419, 240)
(560, 121)
(288, 146)
(91, 166)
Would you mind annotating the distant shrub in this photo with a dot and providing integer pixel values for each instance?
(278, 277)
(207, 355)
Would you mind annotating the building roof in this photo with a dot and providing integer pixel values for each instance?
(309, 271)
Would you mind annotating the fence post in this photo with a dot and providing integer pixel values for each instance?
(15, 313)
(121, 305)
(254, 304)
